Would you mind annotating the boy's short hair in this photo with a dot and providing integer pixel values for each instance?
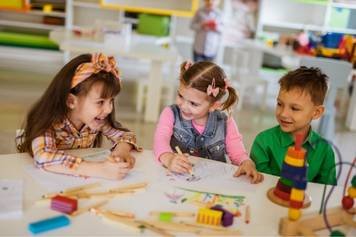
(308, 79)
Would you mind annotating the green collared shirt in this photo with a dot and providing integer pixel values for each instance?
(270, 147)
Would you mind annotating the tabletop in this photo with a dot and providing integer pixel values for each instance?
(165, 192)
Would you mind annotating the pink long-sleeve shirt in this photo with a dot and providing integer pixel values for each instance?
(234, 146)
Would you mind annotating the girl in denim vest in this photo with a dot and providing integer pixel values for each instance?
(198, 125)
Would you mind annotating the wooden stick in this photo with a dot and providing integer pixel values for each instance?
(174, 213)
(123, 214)
(109, 194)
(81, 188)
(71, 191)
(122, 221)
(195, 228)
(85, 209)
(247, 214)
(155, 229)
(198, 225)
(130, 187)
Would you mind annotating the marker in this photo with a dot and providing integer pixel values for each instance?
(181, 153)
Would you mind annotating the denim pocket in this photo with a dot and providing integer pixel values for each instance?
(182, 136)
(216, 151)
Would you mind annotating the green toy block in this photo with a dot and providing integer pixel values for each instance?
(286, 182)
(153, 25)
(165, 216)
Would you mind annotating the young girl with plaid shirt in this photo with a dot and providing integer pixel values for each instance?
(198, 125)
(75, 111)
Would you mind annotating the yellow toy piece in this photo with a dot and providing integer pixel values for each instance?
(294, 162)
(294, 214)
(209, 217)
(47, 8)
(297, 195)
(351, 191)
(329, 52)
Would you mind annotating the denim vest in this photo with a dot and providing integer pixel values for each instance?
(210, 144)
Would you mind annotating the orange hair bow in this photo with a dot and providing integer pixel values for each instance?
(99, 62)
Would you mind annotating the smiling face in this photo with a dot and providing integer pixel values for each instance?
(295, 111)
(90, 109)
(194, 104)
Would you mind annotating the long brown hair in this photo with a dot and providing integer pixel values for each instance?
(52, 106)
(201, 74)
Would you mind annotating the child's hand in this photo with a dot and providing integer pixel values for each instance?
(248, 168)
(177, 163)
(110, 170)
(121, 153)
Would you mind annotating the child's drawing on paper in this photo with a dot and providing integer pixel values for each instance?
(175, 196)
(204, 169)
(203, 199)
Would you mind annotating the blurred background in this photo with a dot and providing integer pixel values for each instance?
(260, 41)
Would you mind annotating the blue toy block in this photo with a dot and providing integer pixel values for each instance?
(300, 184)
(293, 173)
(48, 224)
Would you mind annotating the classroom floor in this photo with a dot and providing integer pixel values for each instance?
(20, 89)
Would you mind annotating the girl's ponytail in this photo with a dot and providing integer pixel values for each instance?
(185, 66)
(231, 99)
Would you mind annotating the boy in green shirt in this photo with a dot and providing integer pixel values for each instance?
(300, 100)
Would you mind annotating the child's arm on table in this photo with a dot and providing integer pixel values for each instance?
(178, 163)
(237, 153)
(47, 156)
(124, 143)
(161, 145)
(102, 169)
(121, 153)
(248, 168)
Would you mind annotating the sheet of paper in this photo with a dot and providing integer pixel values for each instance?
(11, 196)
(204, 178)
(56, 182)
(206, 169)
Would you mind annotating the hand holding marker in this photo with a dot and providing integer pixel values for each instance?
(181, 153)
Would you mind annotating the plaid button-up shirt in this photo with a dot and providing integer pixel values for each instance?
(48, 148)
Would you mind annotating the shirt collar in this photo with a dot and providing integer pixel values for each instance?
(67, 125)
(287, 140)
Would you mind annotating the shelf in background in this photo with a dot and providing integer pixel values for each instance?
(29, 25)
(184, 8)
(88, 4)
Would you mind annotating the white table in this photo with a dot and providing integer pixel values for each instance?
(265, 215)
(156, 54)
